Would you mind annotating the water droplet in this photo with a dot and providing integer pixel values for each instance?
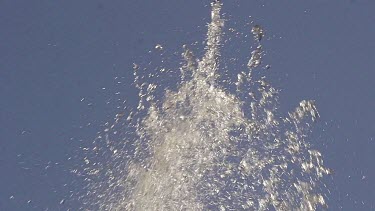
(159, 47)
(257, 32)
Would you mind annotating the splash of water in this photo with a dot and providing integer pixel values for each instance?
(202, 147)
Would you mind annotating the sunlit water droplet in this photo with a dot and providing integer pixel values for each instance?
(257, 32)
(256, 57)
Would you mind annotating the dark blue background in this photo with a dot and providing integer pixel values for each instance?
(55, 53)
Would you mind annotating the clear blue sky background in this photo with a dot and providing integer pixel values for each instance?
(54, 53)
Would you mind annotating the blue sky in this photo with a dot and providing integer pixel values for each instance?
(53, 54)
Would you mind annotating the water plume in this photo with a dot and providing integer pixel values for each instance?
(202, 147)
